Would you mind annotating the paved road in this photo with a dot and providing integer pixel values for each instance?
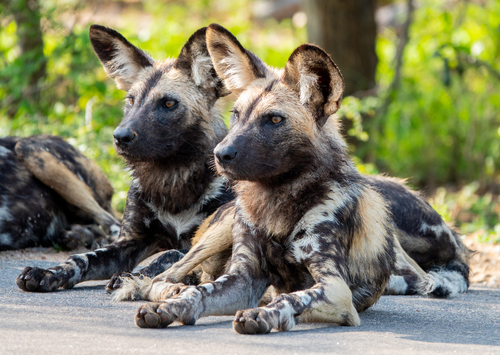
(84, 321)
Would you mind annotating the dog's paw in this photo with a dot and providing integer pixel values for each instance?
(37, 280)
(162, 314)
(116, 281)
(185, 308)
(252, 321)
(154, 315)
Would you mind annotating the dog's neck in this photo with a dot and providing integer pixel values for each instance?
(276, 207)
(173, 189)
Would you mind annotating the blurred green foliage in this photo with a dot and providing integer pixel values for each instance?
(442, 127)
(444, 124)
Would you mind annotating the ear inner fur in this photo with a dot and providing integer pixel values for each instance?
(195, 60)
(121, 60)
(313, 74)
(237, 66)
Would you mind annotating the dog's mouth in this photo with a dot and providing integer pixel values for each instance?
(226, 171)
(233, 172)
(138, 152)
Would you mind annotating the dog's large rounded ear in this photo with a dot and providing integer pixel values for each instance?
(121, 60)
(312, 73)
(195, 61)
(237, 66)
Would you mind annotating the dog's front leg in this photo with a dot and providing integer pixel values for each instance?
(97, 265)
(135, 244)
(242, 287)
(329, 300)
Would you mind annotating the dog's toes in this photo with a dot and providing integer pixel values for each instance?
(250, 322)
(154, 315)
(36, 280)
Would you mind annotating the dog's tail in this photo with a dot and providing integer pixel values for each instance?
(445, 282)
(133, 288)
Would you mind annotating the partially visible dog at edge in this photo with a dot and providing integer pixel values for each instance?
(329, 240)
(170, 127)
(52, 195)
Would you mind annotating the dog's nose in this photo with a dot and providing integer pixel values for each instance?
(226, 155)
(124, 136)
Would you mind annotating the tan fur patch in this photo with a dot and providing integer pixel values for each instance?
(369, 240)
(54, 174)
(336, 306)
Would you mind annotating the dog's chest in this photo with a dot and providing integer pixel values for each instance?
(180, 223)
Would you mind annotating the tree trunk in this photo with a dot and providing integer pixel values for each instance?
(346, 29)
(27, 16)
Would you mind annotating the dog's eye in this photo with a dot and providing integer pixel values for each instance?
(276, 119)
(236, 114)
(170, 103)
(130, 101)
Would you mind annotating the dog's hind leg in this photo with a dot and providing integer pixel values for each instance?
(408, 278)
(41, 159)
(157, 266)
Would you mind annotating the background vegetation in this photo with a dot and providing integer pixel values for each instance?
(440, 128)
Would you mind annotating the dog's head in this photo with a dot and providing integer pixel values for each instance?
(168, 104)
(278, 120)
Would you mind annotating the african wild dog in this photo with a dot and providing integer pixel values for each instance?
(170, 127)
(51, 194)
(306, 221)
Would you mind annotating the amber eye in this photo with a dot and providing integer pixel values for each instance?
(169, 103)
(130, 101)
(276, 119)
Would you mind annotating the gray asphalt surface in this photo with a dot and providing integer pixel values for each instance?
(84, 320)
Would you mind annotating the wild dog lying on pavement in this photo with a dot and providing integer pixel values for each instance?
(170, 128)
(51, 194)
(306, 222)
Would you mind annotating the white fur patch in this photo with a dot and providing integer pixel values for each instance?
(237, 73)
(131, 289)
(222, 279)
(201, 70)
(55, 226)
(304, 297)
(337, 198)
(77, 275)
(307, 83)
(188, 219)
(115, 230)
(450, 281)
(396, 286)
(5, 214)
(305, 247)
(209, 287)
(5, 239)
(440, 230)
(123, 65)
(4, 152)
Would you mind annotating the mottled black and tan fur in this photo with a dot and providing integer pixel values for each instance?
(51, 194)
(305, 220)
(170, 127)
